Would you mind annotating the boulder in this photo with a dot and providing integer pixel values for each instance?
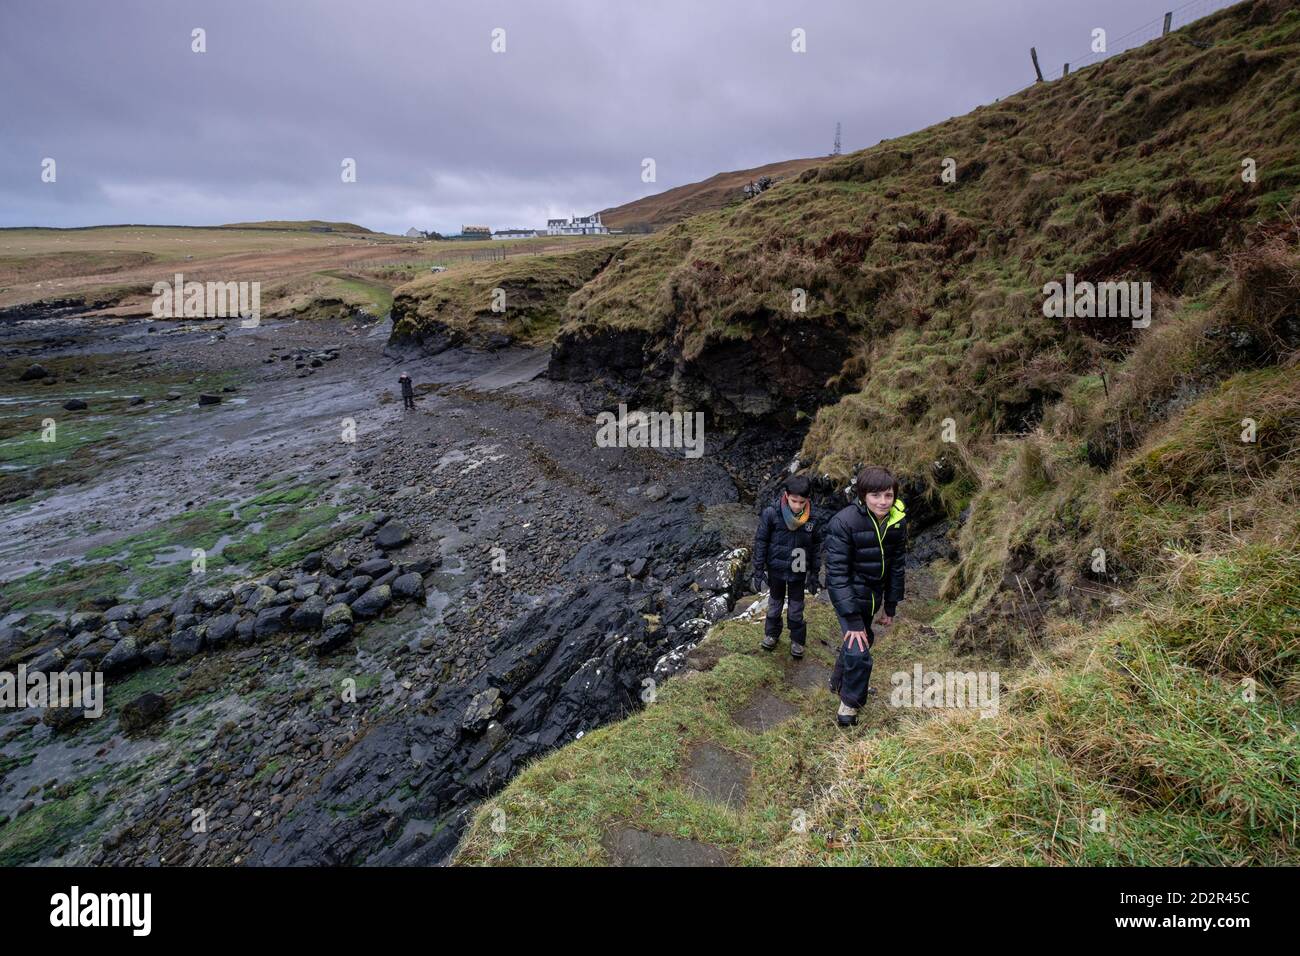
(85, 621)
(360, 582)
(482, 707)
(120, 612)
(373, 602)
(154, 606)
(208, 399)
(392, 535)
(213, 599)
(261, 598)
(271, 620)
(335, 615)
(336, 562)
(409, 586)
(374, 567)
(141, 712)
(308, 615)
(221, 629)
(332, 639)
(185, 644)
(124, 655)
(33, 373)
(75, 405)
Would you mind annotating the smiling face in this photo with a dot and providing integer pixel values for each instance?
(879, 502)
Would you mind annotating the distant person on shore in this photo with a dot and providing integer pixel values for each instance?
(865, 546)
(787, 555)
(408, 391)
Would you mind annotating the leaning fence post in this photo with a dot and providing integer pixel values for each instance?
(1033, 53)
(1169, 17)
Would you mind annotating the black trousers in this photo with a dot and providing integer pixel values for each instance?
(408, 400)
(852, 674)
(781, 592)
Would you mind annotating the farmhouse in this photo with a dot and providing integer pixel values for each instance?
(515, 234)
(577, 226)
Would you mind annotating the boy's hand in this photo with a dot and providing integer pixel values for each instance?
(856, 639)
(886, 619)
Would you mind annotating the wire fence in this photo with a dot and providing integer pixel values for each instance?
(1178, 18)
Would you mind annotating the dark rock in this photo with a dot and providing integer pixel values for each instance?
(120, 612)
(124, 655)
(185, 644)
(213, 599)
(141, 712)
(311, 562)
(221, 629)
(335, 615)
(373, 602)
(207, 399)
(392, 535)
(482, 708)
(409, 586)
(85, 621)
(33, 373)
(374, 567)
(332, 639)
(308, 615)
(336, 562)
(271, 620)
(75, 405)
(154, 606)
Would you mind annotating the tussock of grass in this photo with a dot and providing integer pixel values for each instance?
(1121, 756)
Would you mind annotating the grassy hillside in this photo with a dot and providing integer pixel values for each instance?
(1130, 168)
(674, 205)
(456, 306)
(299, 225)
(1128, 499)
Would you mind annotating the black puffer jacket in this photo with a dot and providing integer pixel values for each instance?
(864, 562)
(774, 546)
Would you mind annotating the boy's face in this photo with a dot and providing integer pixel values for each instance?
(797, 502)
(879, 502)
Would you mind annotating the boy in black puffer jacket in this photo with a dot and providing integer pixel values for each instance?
(865, 546)
(787, 554)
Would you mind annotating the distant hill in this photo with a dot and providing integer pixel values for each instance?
(298, 225)
(674, 205)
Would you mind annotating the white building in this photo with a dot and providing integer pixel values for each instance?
(414, 233)
(515, 234)
(577, 226)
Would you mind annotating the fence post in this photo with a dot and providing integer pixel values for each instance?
(1033, 53)
(1067, 70)
(1168, 20)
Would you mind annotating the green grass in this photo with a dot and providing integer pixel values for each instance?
(290, 525)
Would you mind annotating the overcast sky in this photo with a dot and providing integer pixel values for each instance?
(446, 132)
